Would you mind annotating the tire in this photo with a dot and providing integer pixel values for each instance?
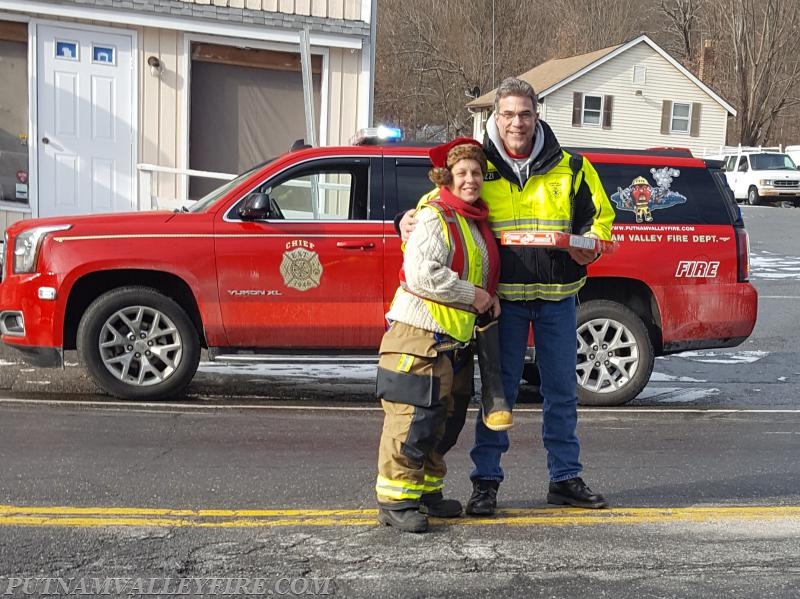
(118, 330)
(752, 197)
(615, 355)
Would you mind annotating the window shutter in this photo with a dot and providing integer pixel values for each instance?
(608, 107)
(577, 108)
(666, 116)
(694, 125)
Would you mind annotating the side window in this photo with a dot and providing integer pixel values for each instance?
(742, 168)
(315, 196)
(325, 190)
(412, 183)
(730, 163)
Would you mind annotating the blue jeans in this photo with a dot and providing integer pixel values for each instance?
(556, 355)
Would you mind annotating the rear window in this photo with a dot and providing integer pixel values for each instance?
(671, 195)
(685, 195)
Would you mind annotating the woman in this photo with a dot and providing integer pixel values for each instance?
(449, 275)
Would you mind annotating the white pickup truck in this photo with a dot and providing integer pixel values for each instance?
(761, 175)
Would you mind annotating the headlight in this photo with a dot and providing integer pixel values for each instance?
(26, 246)
(766, 182)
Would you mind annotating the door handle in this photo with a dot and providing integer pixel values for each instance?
(355, 245)
(45, 140)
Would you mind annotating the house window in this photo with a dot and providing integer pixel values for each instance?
(639, 75)
(592, 109)
(680, 117)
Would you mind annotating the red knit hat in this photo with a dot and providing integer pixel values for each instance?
(438, 154)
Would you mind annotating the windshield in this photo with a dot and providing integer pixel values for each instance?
(771, 162)
(209, 199)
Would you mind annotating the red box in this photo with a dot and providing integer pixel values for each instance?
(556, 239)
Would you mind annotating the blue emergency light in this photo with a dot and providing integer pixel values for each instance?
(376, 135)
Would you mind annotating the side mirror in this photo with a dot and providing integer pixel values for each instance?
(259, 206)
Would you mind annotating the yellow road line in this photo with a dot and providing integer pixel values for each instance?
(93, 517)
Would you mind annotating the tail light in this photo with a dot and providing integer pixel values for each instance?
(742, 255)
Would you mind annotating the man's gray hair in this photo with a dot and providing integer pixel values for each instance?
(511, 86)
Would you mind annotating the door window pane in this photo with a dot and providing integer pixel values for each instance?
(317, 196)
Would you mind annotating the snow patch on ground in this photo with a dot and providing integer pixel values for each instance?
(676, 394)
(658, 377)
(351, 371)
(712, 357)
(766, 265)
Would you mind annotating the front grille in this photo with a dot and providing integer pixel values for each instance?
(786, 183)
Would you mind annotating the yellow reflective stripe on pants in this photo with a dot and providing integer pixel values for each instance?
(516, 292)
(398, 489)
(433, 484)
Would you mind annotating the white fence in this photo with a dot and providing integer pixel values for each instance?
(147, 174)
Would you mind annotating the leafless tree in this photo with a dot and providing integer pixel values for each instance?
(431, 53)
(760, 46)
(683, 18)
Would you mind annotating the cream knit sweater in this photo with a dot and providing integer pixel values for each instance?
(424, 262)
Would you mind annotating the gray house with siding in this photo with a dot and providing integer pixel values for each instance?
(633, 95)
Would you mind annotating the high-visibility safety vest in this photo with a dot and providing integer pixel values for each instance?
(464, 258)
(544, 203)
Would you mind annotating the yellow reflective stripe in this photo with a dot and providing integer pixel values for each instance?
(405, 363)
(532, 291)
(531, 223)
(398, 489)
(433, 484)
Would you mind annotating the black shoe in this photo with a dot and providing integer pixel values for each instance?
(408, 520)
(434, 504)
(483, 501)
(574, 491)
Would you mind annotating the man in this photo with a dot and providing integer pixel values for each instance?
(532, 184)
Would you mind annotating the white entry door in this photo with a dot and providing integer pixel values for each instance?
(85, 121)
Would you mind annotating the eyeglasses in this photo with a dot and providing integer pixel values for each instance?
(524, 116)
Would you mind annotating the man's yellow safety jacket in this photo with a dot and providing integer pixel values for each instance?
(562, 193)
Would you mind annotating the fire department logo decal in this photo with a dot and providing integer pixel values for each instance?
(642, 199)
(301, 269)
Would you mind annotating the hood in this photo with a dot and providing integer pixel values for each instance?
(97, 223)
(781, 175)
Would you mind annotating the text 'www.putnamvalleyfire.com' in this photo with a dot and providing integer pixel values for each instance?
(165, 586)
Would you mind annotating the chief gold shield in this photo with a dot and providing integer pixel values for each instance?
(301, 269)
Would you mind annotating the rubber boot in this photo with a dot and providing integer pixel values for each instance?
(408, 520)
(434, 504)
(495, 410)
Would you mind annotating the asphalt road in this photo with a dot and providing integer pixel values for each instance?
(269, 473)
